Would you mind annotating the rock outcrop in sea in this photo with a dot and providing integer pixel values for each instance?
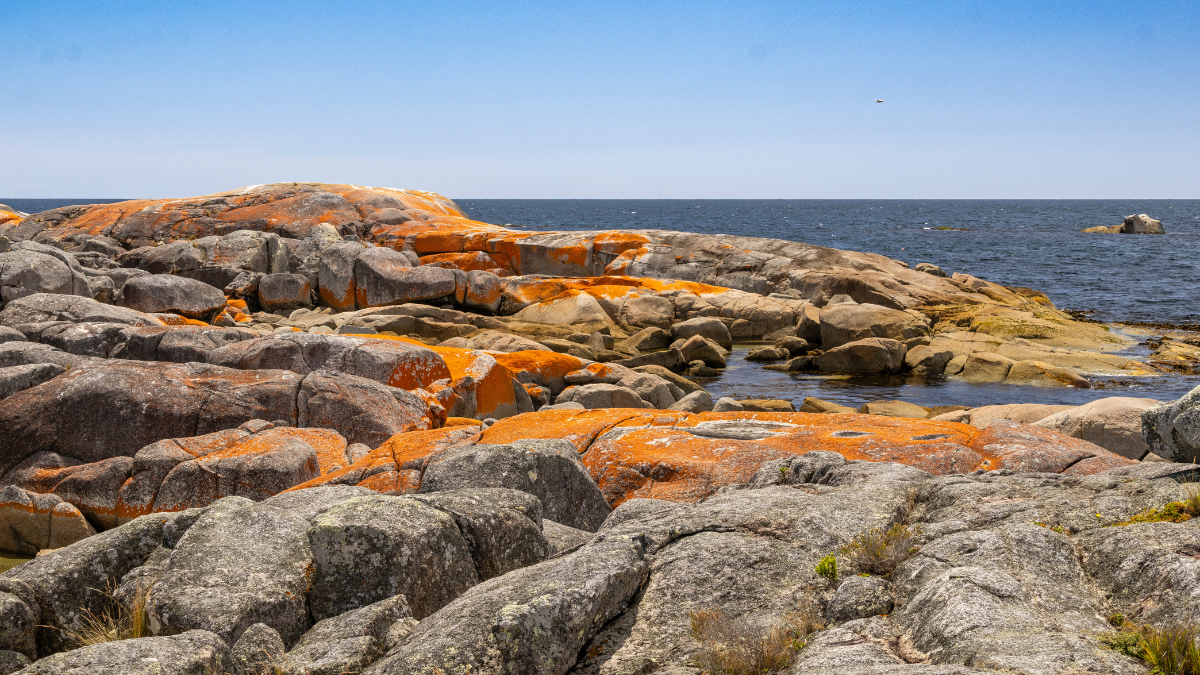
(310, 428)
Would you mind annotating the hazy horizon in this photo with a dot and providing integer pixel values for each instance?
(697, 100)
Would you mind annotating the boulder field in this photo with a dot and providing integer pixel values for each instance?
(320, 429)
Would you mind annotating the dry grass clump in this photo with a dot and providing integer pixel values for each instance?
(732, 647)
(1168, 651)
(880, 551)
(116, 621)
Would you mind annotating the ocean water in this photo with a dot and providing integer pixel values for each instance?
(1034, 243)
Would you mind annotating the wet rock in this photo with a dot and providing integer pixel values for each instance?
(767, 354)
(368, 549)
(872, 355)
(795, 346)
(534, 620)
(195, 652)
(1137, 224)
(351, 641)
(700, 348)
(210, 583)
(860, 597)
(547, 469)
(926, 360)
(177, 295)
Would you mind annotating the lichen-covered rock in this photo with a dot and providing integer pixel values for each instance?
(368, 549)
(535, 620)
(351, 641)
(213, 582)
(502, 527)
(859, 597)
(195, 652)
(259, 650)
(284, 291)
(549, 470)
(1172, 429)
(385, 277)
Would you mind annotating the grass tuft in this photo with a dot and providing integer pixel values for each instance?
(732, 647)
(880, 551)
(115, 621)
(1168, 651)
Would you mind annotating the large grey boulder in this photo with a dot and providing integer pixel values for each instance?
(844, 323)
(32, 353)
(171, 294)
(1172, 429)
(700, 348)
(386, 277)
(240, 564)
(24, 273)
(336, 275)
(259, 651)
(534, 620)
(650, 388)
(547, 469)
(503, 528)
(19, 378)
(179, 344)
(349, 642)
(278, 292)
(361, 410)
(100, 340)
(195, 652)
(599, 395)
(44, 307)
(368, 549)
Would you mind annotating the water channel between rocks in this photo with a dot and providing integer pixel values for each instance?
(744, 379)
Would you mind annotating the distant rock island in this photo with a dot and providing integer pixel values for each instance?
(1139, 224)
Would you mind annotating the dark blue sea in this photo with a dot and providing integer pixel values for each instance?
(1034, 243)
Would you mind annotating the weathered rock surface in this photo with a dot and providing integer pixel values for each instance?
(1172, 429)
(351, 641)
(195, 652)
(870, 355)
(1113, 423)
(1136, 224)
(549, 470)
(178, 295)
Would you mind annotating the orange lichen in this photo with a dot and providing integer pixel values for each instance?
(467, 262)
(616, 243)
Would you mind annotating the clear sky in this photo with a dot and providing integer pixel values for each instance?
(1037, 99)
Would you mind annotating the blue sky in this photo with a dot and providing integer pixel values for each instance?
(616, 99)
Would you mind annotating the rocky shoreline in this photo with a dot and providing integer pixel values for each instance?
(313, 428)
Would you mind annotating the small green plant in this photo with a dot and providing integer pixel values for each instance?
(828, 567)
(1053, 528)
(1174, 512)
(880, 551)
(1171, 650)
(739, 647)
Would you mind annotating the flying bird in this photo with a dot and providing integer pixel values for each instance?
(879, 100)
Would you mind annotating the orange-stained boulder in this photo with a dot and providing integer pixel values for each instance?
(30, 522)
(686, 457)
(467, 262)
(396, 466)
